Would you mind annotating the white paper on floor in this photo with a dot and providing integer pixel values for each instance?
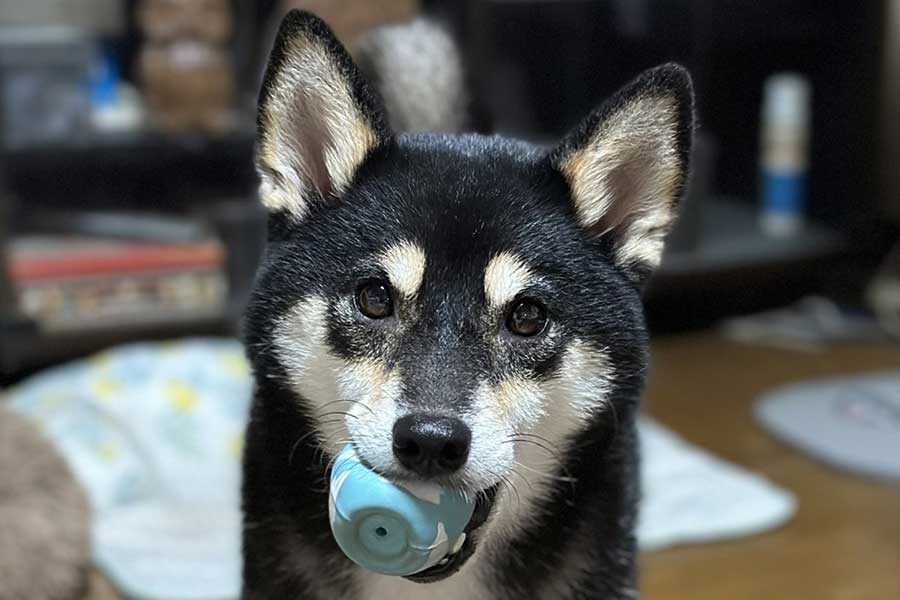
(691, 495)
(152, 431)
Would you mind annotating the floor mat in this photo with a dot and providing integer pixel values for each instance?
(153, 432)
(852, 423)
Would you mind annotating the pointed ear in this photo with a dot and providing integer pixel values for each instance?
(317, 119)
(626, 166)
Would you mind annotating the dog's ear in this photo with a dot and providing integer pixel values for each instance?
(626, 166)
(317, 119)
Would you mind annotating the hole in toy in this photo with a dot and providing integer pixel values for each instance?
(380, 531)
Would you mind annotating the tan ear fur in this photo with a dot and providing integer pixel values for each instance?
(627, 165)
(317, 120)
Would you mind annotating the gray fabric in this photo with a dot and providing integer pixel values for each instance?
(850, 423)
(44, 517)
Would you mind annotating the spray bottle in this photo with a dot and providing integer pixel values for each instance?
(784, 148)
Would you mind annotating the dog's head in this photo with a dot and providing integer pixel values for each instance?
(455, 307)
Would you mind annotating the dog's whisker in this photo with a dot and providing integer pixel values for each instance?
(330, 440)
(551, 476)
(349, 401)
(338, 412)
(507, 483)
(524, 479)
(557, 454)
(549, 451)
(540, 438)
(297, 443)
(331, 462)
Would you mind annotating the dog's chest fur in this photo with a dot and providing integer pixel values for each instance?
(461, 586)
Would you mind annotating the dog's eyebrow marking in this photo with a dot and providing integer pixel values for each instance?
(404, 264)
(505, 276)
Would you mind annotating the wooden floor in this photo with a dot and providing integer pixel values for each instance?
(844, 543)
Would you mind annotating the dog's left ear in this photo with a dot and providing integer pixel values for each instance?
(626, 166)
(317, 122)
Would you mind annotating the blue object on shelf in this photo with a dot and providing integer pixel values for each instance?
(784, 192)
(105, 81)
(393, 528)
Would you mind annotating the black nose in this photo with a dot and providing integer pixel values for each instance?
(431, 446)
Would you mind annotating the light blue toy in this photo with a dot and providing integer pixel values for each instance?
(393, 528)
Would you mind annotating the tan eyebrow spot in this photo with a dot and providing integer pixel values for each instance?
(404, 264)
(505, 276)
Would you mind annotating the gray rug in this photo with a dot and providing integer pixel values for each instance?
(850, 423)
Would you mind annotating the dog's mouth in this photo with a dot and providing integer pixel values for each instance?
(453, 562)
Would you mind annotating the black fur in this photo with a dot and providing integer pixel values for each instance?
(463, 199)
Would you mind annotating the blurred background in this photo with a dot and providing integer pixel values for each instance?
(128, 214)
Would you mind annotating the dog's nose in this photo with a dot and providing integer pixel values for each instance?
(431, 446)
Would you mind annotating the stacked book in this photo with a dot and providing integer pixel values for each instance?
(75, 283)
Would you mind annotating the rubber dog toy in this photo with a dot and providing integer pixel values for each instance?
(393, 528)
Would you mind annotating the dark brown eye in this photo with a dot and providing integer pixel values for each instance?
(526, 318)
(374, 300)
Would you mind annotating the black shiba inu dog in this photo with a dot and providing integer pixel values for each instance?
(462, 309)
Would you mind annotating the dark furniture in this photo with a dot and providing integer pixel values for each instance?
(210, 180)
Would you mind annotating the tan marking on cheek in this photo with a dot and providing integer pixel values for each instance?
(299, 336)
(362, 379)
(584, 378)
(505, 276)
(372, 393)
(370, 382)
(405, 266)
(580, 357)
(514, 394)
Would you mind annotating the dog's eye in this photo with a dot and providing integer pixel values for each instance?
(374, 300)
(526, 318)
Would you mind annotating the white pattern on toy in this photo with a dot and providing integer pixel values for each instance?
(422, 491)
(439, 547)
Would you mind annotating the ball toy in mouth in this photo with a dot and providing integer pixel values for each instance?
(393, 527)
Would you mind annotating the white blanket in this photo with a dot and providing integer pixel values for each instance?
(154, 431)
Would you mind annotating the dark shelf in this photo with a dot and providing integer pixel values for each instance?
(116, 149)
(735, 268)
(24, 349)
(142, 171)
(730, 240)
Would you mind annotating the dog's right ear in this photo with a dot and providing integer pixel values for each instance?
(317, 119)
(627, 164)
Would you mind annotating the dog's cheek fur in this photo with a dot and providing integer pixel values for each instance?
(493, 411)
(539, 419)
(371, 394)
(301, 346)
(346, 398)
